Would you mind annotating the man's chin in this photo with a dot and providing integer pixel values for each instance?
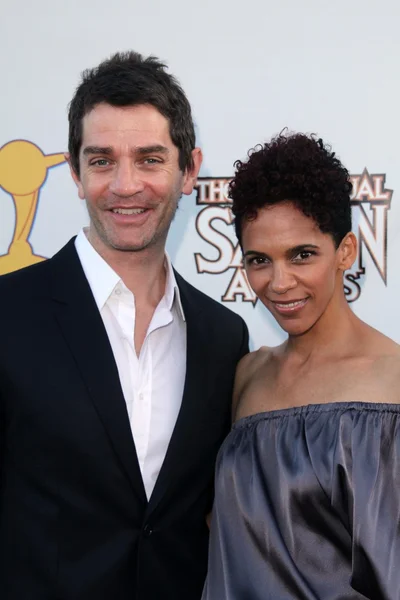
(130, 247)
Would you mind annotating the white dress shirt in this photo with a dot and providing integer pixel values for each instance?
(152, 383)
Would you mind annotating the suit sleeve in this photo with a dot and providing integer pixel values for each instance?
(2, 439)
(244, 346)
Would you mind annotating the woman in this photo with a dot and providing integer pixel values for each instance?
(307, 499)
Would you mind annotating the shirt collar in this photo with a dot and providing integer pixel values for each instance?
(172, 293)
(102, 278)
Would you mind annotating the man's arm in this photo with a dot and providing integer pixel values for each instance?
(244, 347)
(2, 440)
(243, 351)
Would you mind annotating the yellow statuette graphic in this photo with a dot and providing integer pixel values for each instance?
(23, 171)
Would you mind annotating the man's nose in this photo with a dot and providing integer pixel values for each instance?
(127, 180)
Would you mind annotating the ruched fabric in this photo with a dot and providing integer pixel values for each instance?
(307, 506)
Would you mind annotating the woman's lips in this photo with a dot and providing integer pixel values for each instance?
(289, 307)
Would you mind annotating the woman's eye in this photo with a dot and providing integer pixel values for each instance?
(257, 260)
(303, 255)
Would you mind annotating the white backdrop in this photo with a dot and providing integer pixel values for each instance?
(249, 69)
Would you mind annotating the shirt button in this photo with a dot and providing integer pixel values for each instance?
(118, 292)
(140, 397)
(147, 530)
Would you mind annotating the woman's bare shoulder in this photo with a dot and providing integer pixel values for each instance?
(384, 371)
(247, 369)
(380, 347)
(253, 361)
(387, 363)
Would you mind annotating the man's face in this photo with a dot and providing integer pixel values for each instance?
(292, 266)
(130, 177)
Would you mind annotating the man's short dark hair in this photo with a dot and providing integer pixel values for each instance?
(129, 79)
(298, 168)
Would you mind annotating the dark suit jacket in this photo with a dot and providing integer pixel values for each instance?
(75, 523)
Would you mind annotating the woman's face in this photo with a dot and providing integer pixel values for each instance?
(292, 266)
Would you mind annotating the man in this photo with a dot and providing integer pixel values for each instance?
(115, 374)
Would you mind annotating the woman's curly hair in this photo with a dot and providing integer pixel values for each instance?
(298, 168)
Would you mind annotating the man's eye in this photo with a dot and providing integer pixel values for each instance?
(152, 161)
(100, 162)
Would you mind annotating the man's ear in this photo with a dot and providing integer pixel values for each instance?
(75, 176)
(190, 177)
(347, 251)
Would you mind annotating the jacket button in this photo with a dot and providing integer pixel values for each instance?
(147, 530)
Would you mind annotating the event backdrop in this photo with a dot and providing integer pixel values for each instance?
(249, 69)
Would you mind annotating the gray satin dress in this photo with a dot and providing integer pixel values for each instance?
(307, 506)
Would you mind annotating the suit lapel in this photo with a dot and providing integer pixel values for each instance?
(197, 357)
(83, 329)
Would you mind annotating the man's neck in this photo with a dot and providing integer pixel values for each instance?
(143, 272)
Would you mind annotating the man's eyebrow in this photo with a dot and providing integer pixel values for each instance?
(156, 148)
(97, 150)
